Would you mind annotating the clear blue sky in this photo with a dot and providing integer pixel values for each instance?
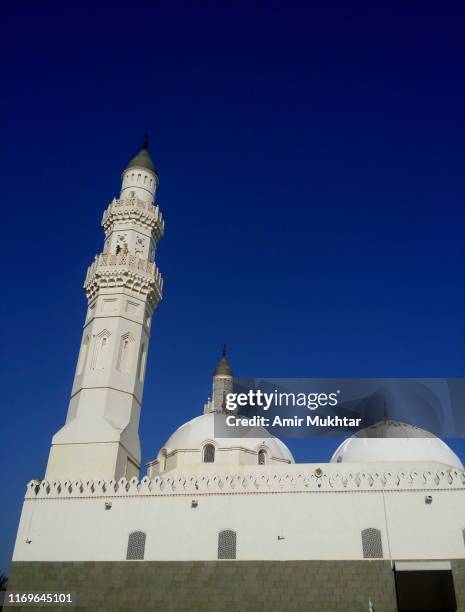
(312, 181)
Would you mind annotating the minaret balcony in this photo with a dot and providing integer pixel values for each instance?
(124, 270)
(134, 209)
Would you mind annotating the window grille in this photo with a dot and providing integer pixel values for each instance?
(136, 545)
(261, 457)
(227, 544)
(463, 534)
(371, 543)
(209, 454)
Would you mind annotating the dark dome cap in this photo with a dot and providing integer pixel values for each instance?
(143, 159)
(223, 368)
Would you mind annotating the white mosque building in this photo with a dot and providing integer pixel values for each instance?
(223, 523)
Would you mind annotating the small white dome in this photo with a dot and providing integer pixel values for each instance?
(394, 441)
(197, 432)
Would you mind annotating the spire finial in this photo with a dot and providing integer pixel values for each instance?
(146, 141)
(224, 350)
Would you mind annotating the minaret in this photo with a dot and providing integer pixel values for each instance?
(100, 439)
(222, 385)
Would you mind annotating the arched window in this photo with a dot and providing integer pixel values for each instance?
(209, 453)
(142, 360)
(162, 461)
(261, 457)
(227, 544)
(140, 246)
(136, 545)
(83, 355)
(125, 353)
(121, 245)
(371, 543)
(100, 355)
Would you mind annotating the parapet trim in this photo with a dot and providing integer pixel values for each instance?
(124, 270)
(134, 209)
(303, 481)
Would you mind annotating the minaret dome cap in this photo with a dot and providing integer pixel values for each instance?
(143, 159)
(223, 368)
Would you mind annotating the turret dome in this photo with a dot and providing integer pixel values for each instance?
(143, 159)
(391, 440)
(223, 368)
(185, 448)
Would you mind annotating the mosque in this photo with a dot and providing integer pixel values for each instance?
(216, 523)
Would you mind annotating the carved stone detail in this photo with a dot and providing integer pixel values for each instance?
(124, 270)
(252, 483)
(133, 209)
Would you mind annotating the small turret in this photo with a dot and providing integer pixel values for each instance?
(222, 385)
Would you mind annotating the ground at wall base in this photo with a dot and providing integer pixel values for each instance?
(216, 586)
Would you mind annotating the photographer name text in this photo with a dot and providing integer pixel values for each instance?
(278, 421)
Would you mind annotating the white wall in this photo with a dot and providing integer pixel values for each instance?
(314, 524)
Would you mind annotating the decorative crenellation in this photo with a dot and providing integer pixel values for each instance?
(134, 209)
(301, 481)
(124, 270)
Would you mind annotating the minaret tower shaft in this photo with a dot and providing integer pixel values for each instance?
(100, 439)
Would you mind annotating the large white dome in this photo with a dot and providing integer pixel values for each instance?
(394, 441)
(198, 431)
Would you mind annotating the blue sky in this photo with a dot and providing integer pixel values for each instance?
(311, 178)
